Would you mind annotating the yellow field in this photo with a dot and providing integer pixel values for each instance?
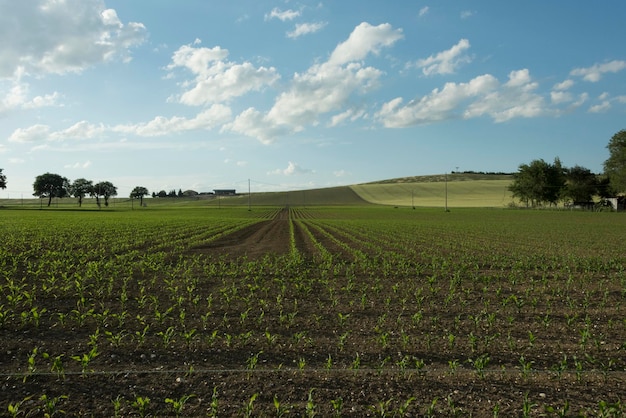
(474, 193)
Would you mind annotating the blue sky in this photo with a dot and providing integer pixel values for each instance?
(203, 94)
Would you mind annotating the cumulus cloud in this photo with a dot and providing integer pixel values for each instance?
(466, 14)
(323, 88)
(35, 133)
(292, 169)
(85, 164)
(305, 29)
(483, 95)
(423, 11)
(596, 71)
(216, 79)
(285, 15)
(210, 118)
(62, 36)
(15, 95)
(445, 62)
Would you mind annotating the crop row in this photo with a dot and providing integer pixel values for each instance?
(436, 310)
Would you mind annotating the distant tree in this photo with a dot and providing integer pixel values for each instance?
(162, 193)
(138, 193)
(3, 180)
(538, 182)
(581, 184)
(172, 193)
(105, 189)
(81, 188)
(615, 165)
(180, 193)
(51, 185)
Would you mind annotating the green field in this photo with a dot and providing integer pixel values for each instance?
(334, 310)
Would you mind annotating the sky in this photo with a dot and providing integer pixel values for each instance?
(290, 95)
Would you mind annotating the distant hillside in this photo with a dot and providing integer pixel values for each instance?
(463, 190)
(466, 176)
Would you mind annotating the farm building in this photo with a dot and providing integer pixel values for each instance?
(225, 192)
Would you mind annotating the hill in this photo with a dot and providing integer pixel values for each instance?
(463, 190)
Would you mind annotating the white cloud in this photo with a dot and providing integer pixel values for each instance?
(323, 88)
(62, 36)
(558, 97)
(350, 114)
(305, 29)
(595, 72)
(210, 118)
(423, 11)
(340, 173)
(217, 80)
(85, 164)
(445, 62)
(466, 14)
(292, 169)
(564, 85)
(600, 108)
(35, 133)
(483, 95)
(365, 39)
(16, 97)
(285, 15)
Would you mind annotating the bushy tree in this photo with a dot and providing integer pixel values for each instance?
(615, 165)
(105, 189)
(3, 180)
(138, 193)
(539, 182)
(81, 188)
(581, 184)
(51, 185)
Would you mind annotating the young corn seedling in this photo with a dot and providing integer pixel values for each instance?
(141, 404)
(311, 408)
(177, 405)
(50, 405)
(280, 409)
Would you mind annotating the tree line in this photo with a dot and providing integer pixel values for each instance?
(539, 182)
(51, 186)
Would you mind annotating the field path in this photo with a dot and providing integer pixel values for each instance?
(254, 241)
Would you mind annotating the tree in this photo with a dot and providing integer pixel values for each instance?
(51, 185)
(138, 193)
(105, 189)
(81, 188)
(615, 165)
(538, 182)
(3, 180)
(581, 184)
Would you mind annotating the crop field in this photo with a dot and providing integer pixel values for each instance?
(318, 311)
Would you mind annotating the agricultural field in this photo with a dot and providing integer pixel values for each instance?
(312, 311)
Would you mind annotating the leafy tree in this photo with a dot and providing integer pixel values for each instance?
(538, 182)
(81, 188)
(615, 165)
(172, 193)
(138, 193)
(105, 189)
(581, 184)
(3, 180)
(162, 193)
(51, 185)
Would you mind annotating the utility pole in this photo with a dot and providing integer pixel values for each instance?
(249, 209)
(446, 178)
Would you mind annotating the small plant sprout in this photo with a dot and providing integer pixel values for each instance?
(177, 405)
(141, 404)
